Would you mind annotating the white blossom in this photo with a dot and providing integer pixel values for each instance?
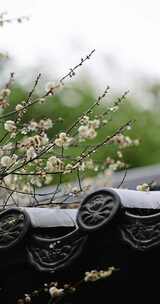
(35, 141)
(49, 86)
(19, 107)
(41, 100)
(11, 181)
(13, 135)
(6, 161)
(89, 164)
(92, 133)
(86, 132)
(114, 108)
(94, 123)
(30, 153)
(54, 164)
(83, 131)
(136, 142)
(33, 125)
(58, 142)
(75, 190)
(63, 140)
(85, 119)
(56, 292)
(1, 152)
(116, 165)
(26, 187)
(45, 124)
(7, 147)
(68, 168)
(119, 153)
(27, 299)
(48, 179)
(129, 127)
(44, 140)
(3, 103)
(94, 275)
(5, 92)
(63, 135)
(36, 180)
(10, 126)
(143, 187)
(125, 141)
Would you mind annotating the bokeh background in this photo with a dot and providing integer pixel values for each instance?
(125, 35)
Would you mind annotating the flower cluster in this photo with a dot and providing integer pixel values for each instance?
(7, 161)
(144, 187)
(88, 127)
(35, 141)
(63, 140)
(94, 275)
(114, 165)
(10, 126)
(4, 94)
(32, 153)
(42, 125)
(57, 293)
(54, 164)
(124, 141)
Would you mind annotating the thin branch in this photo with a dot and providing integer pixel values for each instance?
(123, 179)
(33, 89)
(27, 193)
(72, 71)
(5, 203)
(4, 137)
(79, 180)
(117, 102)
(36, 174)
(27, 101)
(9, 83)
(34, 196)
(10, 20)
(59, 183)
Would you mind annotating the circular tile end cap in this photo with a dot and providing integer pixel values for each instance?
(97, 209)
(14, 224)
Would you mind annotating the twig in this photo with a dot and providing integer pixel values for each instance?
(72, 71)
(123, 179)
(59, 183)
(5, 203)
(79, 180)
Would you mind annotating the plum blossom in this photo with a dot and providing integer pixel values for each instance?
(54, 164)
(10, 126)
(63, 140)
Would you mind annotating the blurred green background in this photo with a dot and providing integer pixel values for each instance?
(71, 101)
